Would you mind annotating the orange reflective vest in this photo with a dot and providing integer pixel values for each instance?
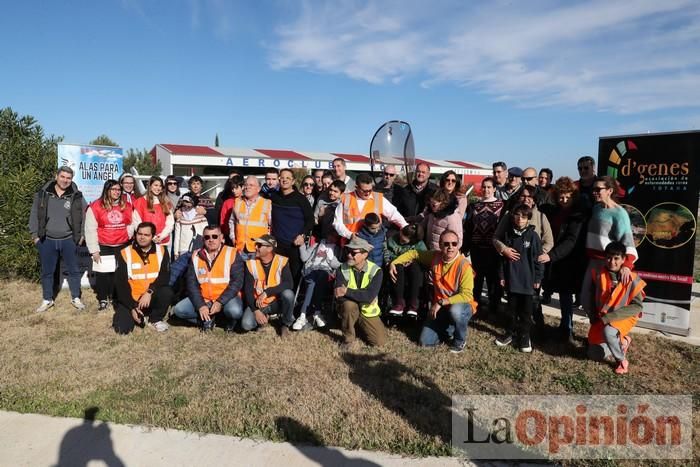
(608, 298)
(252, 221)
(141, 274)
(353, 217)
(446, 283)
(262, 282)
(213, 282)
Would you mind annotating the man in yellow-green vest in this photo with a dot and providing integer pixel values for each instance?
(357, 285)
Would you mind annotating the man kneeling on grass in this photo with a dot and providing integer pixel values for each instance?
(141, 283)
(268, 287)
(357, 285)
(214, 280)
(453, 299)
(618, 306)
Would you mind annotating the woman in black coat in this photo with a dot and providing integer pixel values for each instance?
(567, 259)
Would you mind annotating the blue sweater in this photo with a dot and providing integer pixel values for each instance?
(378, 244)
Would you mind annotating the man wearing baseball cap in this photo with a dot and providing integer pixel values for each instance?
(268, 287)
(513, 185)
(357, 287)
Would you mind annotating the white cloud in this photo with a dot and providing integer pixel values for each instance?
(627, 57)
(217, 15)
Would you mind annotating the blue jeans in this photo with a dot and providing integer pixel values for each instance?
(233, 310)
(284, 305)
(317, 286)
(566, 303)
(245, 256)
(50, 251)
(451, 321)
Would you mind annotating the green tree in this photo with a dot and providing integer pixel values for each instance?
(29, 159)
(143, 162)
(103, 140)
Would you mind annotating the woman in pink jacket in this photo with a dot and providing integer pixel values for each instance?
(443, 214)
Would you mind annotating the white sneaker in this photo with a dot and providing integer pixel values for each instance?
(160, 326)
(77, 304)
(45, 305)
(318, 322)
(300, 323)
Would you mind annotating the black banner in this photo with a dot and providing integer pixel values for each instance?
(659, 187)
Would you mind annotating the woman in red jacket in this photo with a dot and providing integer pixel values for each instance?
(233, 190)
(155, 207)
(109, 224)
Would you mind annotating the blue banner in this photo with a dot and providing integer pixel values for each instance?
(93, 165)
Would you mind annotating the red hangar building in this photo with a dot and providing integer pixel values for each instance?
(187, 160)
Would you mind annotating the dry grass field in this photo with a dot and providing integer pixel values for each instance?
(302, 389)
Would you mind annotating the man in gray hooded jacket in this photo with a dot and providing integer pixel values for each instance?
(56, 227)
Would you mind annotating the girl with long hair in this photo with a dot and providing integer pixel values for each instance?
(155, 207)
(128, 184)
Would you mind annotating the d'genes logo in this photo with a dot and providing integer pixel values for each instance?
(631, 173)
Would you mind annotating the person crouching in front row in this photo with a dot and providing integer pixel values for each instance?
(141, 283)
(453, 292)
(357, 286)
(268, 287)
(214, 280)
(618, 307)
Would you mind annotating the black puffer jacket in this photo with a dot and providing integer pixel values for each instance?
(568, 256)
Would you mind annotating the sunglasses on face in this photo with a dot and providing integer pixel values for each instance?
(527, 179)
(354, 252)
(309, 184)
(598, 189)
(260, 245)
(449, 244)
(172, 183)
(387, 174)
(450, 180)
(365, 192)
(211, 237)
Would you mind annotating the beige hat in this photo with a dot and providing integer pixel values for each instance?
(266, 239)
(358, 243)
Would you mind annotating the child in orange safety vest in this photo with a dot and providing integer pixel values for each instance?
(618, 307)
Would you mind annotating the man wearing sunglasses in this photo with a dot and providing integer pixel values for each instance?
(387, 185)
(353, 207)
(268, 287)
(453, 292)
(214, 280)
(357, 286)
(530, 178)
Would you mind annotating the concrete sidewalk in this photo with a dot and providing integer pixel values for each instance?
(692, 339)
(40, 440)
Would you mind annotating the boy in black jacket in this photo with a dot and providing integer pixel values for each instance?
(521, 277)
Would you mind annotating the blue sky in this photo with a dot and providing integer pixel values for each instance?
(532, 83)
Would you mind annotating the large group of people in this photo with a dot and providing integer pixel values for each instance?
(306, 254)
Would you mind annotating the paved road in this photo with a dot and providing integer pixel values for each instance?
(39, 440)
